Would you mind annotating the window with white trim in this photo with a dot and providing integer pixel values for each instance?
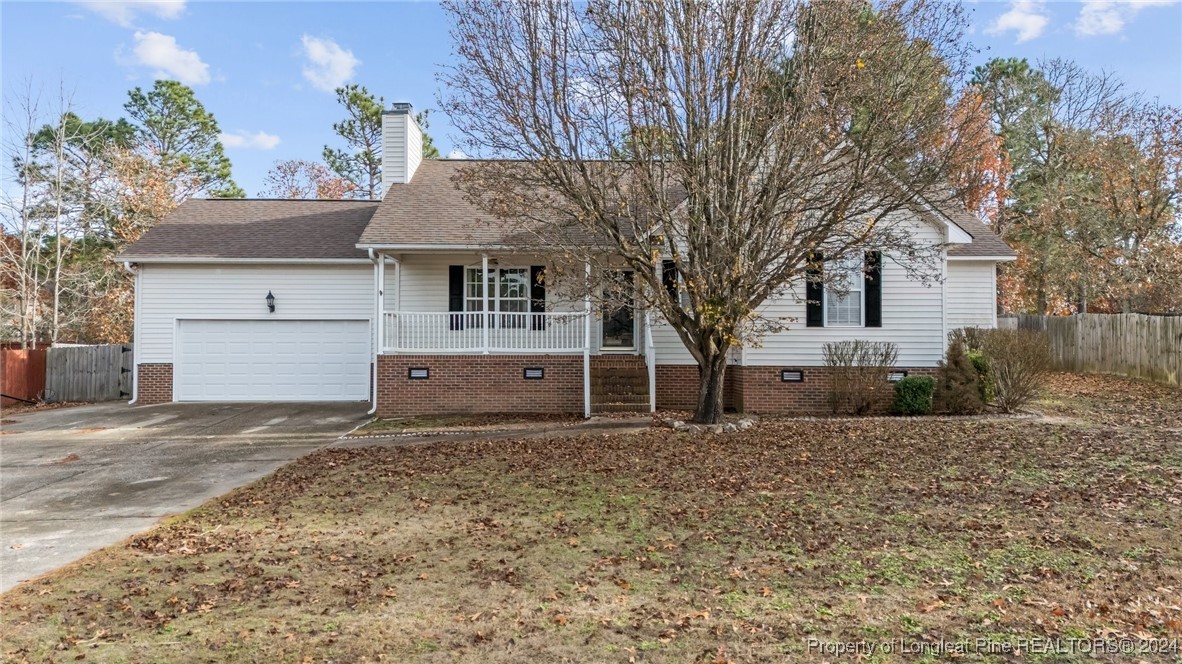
(844, 292)
(508, 294)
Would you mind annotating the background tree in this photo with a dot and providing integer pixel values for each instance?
(23, 273)
(423, 117)
(981, 172)
(760, 136)
(175, 130)
(300, 178)
(1093, 200)
(360, 164)
(87, 188)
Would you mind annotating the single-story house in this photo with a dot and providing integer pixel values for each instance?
(309, 300)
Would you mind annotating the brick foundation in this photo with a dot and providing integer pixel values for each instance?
(760, 390)
(153, 384)
(677, 387)
(479, 384)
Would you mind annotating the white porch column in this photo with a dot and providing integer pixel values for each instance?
(587, 341)
(650, 357)
(484, 306)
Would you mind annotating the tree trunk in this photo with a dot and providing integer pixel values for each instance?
(711, 378)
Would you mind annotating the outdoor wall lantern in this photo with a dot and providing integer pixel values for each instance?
(270, 302)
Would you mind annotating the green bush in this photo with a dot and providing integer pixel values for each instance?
(984, 382)
(859, 372)
(957, 383)
(913, 395)
(1019, 363)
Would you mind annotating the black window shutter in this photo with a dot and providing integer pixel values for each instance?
(455, 295)
(814, 292)
(537, 296)
(874, 289)
(669, 278)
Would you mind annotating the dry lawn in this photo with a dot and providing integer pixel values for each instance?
(658, 547)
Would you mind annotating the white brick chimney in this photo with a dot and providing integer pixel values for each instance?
(402, 145)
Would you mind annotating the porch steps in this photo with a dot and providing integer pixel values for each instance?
(619, 385)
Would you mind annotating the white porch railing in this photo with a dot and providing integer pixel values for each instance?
(476, 332)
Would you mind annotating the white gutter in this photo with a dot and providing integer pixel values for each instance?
(996, 259)
(135, 335)
(244, 261)
(441, 247)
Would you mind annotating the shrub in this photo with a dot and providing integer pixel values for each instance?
(957, 390)
(859, 373)
(973, 338)
(913, 395)
(1019, 363)
(980, 364)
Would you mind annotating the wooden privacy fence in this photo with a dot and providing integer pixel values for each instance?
(88, 373)
(22, 375)
(1137, 345)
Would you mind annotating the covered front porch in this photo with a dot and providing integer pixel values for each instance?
(484, 331)
(467, 303)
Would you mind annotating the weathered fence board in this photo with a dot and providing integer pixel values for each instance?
(1137, 345)
(87, 373)
(22, 375)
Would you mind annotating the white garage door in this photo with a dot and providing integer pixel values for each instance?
(272, 360)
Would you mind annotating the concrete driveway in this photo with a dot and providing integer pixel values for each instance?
(74, 480)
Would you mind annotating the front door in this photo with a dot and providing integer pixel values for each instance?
(619, 319)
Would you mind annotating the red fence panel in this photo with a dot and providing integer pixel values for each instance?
(22, 375)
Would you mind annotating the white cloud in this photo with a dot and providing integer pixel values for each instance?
(124, 12)
(1108, 17)
(259, 140)
(329, 66)
(168, 60)
(1028, 18)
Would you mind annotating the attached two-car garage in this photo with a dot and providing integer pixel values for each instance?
(272, 360)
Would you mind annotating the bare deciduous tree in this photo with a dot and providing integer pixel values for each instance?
(300, 178)
(740, 140)
(23, 273)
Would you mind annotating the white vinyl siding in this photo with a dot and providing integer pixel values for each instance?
(302, 292)
(971, 298)
(912, 317)
(402, 149)
(667, 345)
(423, 285)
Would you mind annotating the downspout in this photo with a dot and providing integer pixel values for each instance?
(377, 341)
(135, 335)
(944, 302)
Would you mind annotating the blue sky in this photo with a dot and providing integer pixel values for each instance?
(267, 69)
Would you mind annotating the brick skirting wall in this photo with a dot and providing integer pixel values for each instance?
(760, 390)
(677, 387)
(153, 384)
(479, 384)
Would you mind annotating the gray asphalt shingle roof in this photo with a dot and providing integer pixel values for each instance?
(985, 241)
(251, 228)
(428, 211)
